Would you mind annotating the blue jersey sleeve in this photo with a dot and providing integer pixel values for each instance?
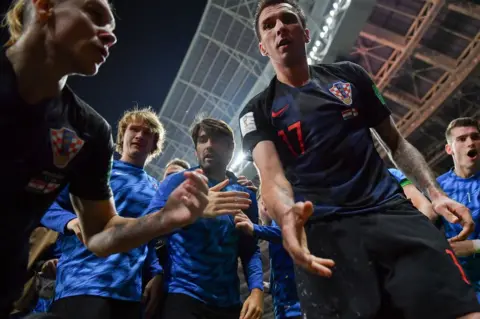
(59, 214)
(165, 188)
(399, 176)
(249, 251)
(152, 266)
(269, 233)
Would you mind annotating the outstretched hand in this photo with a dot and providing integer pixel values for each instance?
(188, 201)
(295, 240)
(455, 213)
(225, 203)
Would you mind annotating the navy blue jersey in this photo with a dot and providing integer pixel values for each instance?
(467, 192)
(400, 177)
(118, 276)
(203, 257)
(282, 274)
(322, 134)
(57, 141)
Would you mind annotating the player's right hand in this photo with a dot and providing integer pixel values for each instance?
(188, 201)
(295, 240)
(225, 203)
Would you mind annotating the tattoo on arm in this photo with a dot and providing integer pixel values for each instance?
(412, 163)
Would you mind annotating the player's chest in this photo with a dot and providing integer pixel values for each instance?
(132, 193)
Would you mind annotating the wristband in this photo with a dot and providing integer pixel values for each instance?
(476, 245)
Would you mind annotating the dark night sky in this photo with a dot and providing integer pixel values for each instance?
(153, 38)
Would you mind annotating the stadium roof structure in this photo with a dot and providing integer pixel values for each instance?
(223, 67)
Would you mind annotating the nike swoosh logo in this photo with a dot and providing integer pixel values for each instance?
(279, 112)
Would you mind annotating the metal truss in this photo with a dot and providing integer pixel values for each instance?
(419, 107)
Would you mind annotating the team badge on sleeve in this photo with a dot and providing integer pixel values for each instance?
(247, 124)
(342, 91)
(65, 145)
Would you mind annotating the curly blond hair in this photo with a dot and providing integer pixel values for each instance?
(18, 15)
(148, 116)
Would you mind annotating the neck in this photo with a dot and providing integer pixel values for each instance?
(294, 75)
(216, 174)
(139, 162)
(466, 172)
(36, 73)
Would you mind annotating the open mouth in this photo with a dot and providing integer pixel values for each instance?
(284, 42)
(472, 153)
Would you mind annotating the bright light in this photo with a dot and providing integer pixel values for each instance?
(317, 43)
(322, 35)
(325, 28)
(237, 161)
(312, 54)
(332, 13)
(329, 20)
(335, 5)
(314, 49)
(309, 60)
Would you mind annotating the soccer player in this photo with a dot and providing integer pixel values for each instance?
(201, 276)
(55, 138)
(462, 183)
(282, 275)
(92, 287)
(309, 135)
(174, 166)
(414, 194)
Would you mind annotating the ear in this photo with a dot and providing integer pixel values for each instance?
(262, 49)
(307, 36)
(448, 149)
(43, 9)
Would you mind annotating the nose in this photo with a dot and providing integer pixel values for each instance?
(108, 38)
(279, 26)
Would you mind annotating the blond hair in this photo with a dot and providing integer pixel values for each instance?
(16, 18)
(148, 117)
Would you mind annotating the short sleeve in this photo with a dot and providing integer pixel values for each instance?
(254, 127)
(92, 181)
(374, 107)
(400, 177)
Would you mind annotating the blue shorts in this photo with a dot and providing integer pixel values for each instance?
(283, 310)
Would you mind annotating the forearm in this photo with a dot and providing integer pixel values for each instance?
(123, 234)
(412, 163)
(268, 233)
(57, 219)
(278, 197)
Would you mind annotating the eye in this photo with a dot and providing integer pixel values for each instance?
(267, 26)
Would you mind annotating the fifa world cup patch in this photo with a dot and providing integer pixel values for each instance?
(342, 91)
(65, 145)
(247, 124)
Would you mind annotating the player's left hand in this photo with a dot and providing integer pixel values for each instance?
(253, 307)
(242, 180)
(152, 295)
(244, 223)
(295, 240)
(49, 269)
(455, 213)
(463, 248)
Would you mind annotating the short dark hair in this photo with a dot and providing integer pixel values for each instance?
(262, 4)
(461, 122)
(212, 127)
(178, 162)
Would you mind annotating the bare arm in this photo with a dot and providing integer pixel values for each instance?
(407, 158)
(420, 201)
(104, 232)
(276, 190)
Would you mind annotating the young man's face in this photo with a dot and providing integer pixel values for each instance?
(282, 36)
(213, 151)
(464, 146)
(138, 140)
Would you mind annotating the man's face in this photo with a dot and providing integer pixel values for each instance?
(81, 34)
(464, 146)
(138, 140)
(282, 36)
(213, 151)
(172, 169)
